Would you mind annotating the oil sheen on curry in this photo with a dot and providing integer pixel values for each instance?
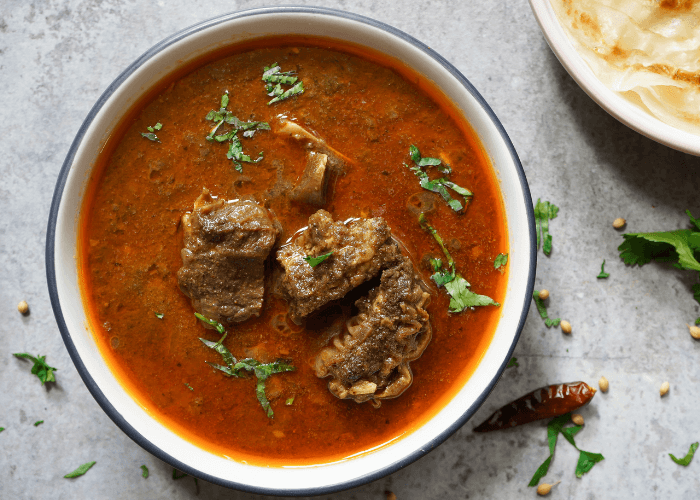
(288, 251)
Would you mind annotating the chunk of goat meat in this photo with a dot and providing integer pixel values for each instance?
(336, 159)
(361, 248)
(370, 361)
(314, 181)
(223, 259)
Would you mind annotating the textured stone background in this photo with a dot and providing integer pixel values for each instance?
(57, 56)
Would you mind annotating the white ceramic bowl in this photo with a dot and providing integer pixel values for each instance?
(62, 243)
(626, 112)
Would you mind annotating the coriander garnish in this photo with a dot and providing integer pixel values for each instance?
(544, 212)
(602, 274)
(273, 75)
(38, 423)
(2, 429)
(289, 402)
(685, 461)
(189, 386)
(151, 136)
(500, 261)
(461, 297)
(219, 327)
(178, 476)
(235, 151)
(314, 261)
(513, 363)
(80, 470)
(440, 185)
(159, 315)
(144, 474)
(539, 302)
(43, 371)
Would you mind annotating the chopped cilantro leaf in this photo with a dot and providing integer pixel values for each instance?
(150, 136)
(219, 327)
(513, 363)
(38, 423)
(696, 291)
(685, 461)
(586, 461)
(440, 185)
(289, 402)
(455, 285)
(602, 274)
(221, 349)
(543, 310)
(144, 474)
(2, 429)
(672, 246)
(273, 74)
(43, 371)
(189, 386)
(178, 476)
(500, 261)
(159, 315)
(314, 261)
(158, 126)
(295, 90)
(262, 372)
(80, 470)
(544, 212)
(697, 321)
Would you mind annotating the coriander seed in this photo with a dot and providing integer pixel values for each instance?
(544, 488)
(619, 223)
(565, 326)
(664, 388)
(694, 331)
(544, 294)
(577, 418)
(603, 384)
(23, 307)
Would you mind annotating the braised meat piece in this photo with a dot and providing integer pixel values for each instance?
(361, 248)
(223, 260)
(370, 361)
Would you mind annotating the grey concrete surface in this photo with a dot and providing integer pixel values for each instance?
(57, 56)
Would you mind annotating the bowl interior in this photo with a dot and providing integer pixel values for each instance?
(623, 110)
(62, 244)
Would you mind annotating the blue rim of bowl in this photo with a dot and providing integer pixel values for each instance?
(51, 268)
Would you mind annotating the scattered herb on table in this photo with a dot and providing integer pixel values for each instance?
(2, 429)
(586, 459)
(150, 135)
(545, 402)
(602, 274)
(455, 285)
(234, 368)
(274, 77)
(542, 309)
(43, 371)
(178, 476)
(440, 185)
(314, 261)
(80, 470)
(500, 261)
(544, 212)
(159, 315)
(697, 321)
(235, 151)
(38, 423)
(685, 461)
(144, 474)
(681, 248)
(513, 362)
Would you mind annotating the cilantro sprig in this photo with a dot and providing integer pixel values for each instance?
(542, 309)
(586, 459)
(603, 274)
(144, 472)
(274, 77)
(685, 461)
(314, 261)
(235, 150)
(461, 297)
(544, 212)
(238, 369)
(43, 371)
(440, 185)
(513, 363)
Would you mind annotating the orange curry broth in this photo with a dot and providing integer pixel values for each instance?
(365, 105)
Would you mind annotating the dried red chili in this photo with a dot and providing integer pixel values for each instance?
(545, 402)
